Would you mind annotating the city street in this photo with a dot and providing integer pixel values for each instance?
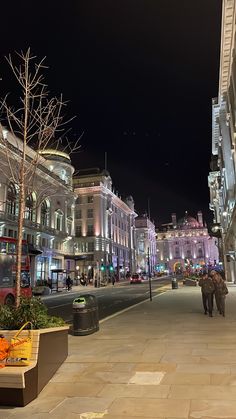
(162, 359)
(111, 299)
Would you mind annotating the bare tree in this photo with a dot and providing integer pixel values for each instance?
(35, 125)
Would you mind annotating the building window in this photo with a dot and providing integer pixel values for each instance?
(90, 247)
(78, 200)
(177, 252)
(30, 210)
(84, 247)
(78, 214)
(69, 211)
(90, 230)
(89, 213)
(69, 222)
(11, 204)
(78, 231)
(44, 242)
(188, 253)
(42, 269)
(58, 219)
(200, 253)
(78, 247)
(45, 213)
(56, 263)
(10, 233)
(141, 246)
(90, 199)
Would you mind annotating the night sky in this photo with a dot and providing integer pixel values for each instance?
(139, 76)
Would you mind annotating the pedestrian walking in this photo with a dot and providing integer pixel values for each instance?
(68, 283)
(221, 291)
(207, 288)
(83, 279)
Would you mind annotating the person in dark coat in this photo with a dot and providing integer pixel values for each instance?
(221, 291)
(208, 288)
(68, 283)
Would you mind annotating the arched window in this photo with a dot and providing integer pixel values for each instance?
(177, 252)
(200, 252)
(44, 212)
(30, 210)
(11, 202)
(188, 253)
(69, 222)
(58, 219)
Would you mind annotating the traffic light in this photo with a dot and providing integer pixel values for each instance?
(111, 269)
(102, 267)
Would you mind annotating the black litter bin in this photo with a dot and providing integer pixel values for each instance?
(85, 315)
(174, 284)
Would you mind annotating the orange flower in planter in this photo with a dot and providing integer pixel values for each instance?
(4, 348)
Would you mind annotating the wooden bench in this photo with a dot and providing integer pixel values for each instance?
(21, 385)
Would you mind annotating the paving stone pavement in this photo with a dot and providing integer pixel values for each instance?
(161, 359)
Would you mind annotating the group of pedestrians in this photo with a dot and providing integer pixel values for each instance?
(212, 284)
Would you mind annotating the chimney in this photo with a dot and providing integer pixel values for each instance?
(174, 221)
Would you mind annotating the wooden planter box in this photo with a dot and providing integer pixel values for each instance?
(21, 385)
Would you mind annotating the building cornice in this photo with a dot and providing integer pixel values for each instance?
(227, 39)
(102, 190)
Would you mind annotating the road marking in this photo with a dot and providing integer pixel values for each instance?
(104, 295)
(124, 310)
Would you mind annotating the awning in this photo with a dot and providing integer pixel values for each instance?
(33, 251)
(58, 271)
(75, 257)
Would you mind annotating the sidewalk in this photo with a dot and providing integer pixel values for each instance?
(161, 359)
(87, 288)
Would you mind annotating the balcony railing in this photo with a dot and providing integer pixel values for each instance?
(32, 225)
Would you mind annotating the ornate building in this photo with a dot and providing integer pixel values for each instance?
(49, 207)
(104, 226)
(222, 178)
(145, 239)
(185, 244)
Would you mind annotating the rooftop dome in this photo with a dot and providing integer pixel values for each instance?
(188, 222)
(51, 154)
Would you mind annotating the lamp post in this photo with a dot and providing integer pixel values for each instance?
(149, 276)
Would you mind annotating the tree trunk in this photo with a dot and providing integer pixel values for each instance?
(20, 237)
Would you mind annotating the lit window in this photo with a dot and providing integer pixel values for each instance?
(58, 219)
(90, 213)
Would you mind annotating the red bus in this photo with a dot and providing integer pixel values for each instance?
(8, 270)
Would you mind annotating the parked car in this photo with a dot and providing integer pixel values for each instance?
(136, 279)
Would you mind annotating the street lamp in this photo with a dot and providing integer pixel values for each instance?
(149, 275)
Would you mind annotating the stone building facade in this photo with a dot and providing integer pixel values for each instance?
(145, 243)
(49, 209)
(104, 227)
(222, 177)
(185, 244)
